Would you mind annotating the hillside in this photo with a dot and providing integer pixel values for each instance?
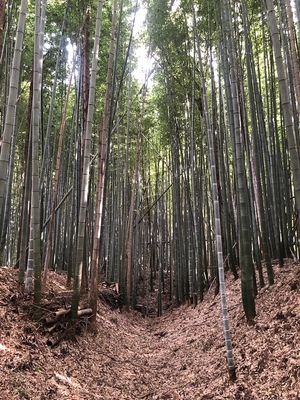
(177, 356)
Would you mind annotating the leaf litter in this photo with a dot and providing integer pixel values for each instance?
(180, 355)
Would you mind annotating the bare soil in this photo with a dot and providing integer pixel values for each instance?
(180, 355)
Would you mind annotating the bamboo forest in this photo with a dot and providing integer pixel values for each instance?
(149, 199)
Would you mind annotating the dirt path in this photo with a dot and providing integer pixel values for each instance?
(177, 356)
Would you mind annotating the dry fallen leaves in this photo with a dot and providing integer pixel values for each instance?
(177, 356)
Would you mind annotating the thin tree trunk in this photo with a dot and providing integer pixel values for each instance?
(102, 167)
(8, 195)
(216, 208)
(35, 196)
(45, 150)
(285, 99)
(2, 22)
(12, 103)
(86, 170)
(86, 64)
(242, 190)
(130, 225)
(294, 55)
(25, 208)
(56, 182)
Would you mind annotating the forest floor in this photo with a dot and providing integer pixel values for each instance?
(180, 355)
